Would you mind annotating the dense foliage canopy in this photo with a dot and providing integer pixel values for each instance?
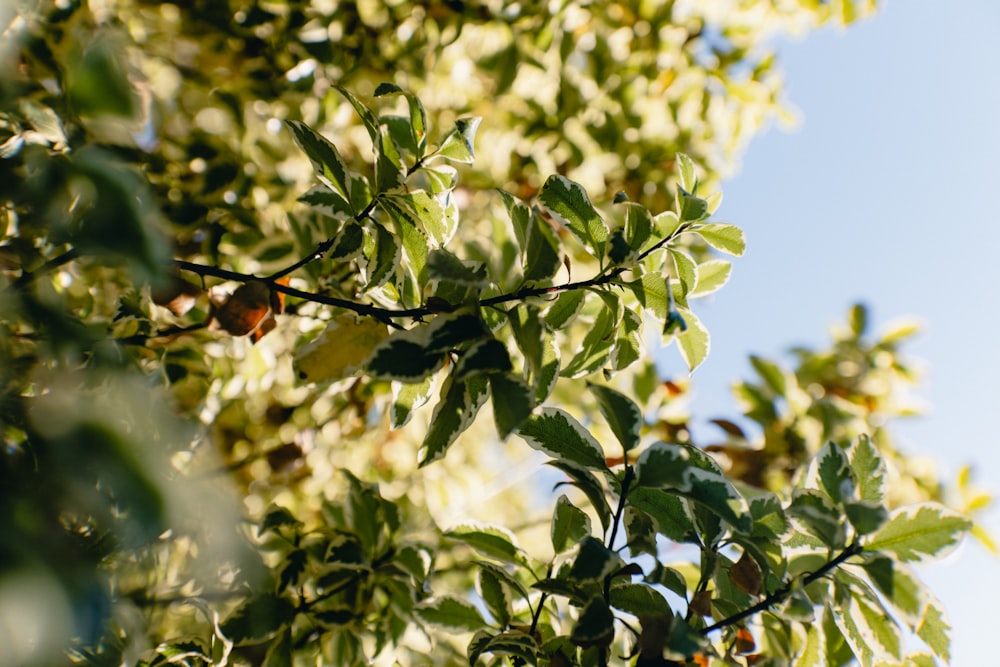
(264, 265)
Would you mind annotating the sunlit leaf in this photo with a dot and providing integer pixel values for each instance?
(919, 532)
(570, 201)
(555, 432)
(724, 237)
(493, 541)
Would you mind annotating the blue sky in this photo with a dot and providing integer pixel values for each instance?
(885, 193)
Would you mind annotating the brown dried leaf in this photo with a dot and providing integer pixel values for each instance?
(178, 296)
(701, 603)
(244, 311)
(745, 575)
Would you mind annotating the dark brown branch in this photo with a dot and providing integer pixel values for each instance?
(781, 594)
(141, 339)
(27, 277)
(387, 315)
(321, 249)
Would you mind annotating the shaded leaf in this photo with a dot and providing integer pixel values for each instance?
(493, 541)
(513, 401)
(259, 618)
(450, 613)
(570, 524)
(622, 414)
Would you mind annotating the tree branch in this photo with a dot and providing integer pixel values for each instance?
(781, 594)
(27, 277)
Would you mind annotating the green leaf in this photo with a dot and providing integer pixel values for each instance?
(548, 374)
(415, 245)
(279, 654)
(687, 472)
(442, 265)
(558, 434)
(515, 643)
(542, 258)
(570, 524)
(277, 517)
(689, 207)
(639, 600)
(330, 166)
(662, 465)
(652, 293)
(666, 224)
(771, 373)
(935, 631)
(418, 117)
(694, 341)
(390, 174)
(367, 117)
(619, 251)
(564, 309)
(686, 174)
(505, 577)
(869, 470)
(450, 613)
(623, 415)
(866, 517)
(829, 469)
(455, 330)
(569, 200)
(485, 356)
(513, 401)
(813, 651)
(402, 358)
(347, 243)
(919, 532)
(456, 410)
(383, 257)
(587, 482)
(629, 346)
(423, 211)
(596, 346)
(97, 83)
(595, 626)
(594, 561)
(684, 270)
(458, 145)
(258, 619)
(819, 516)
(407, 397)
(712, 275)
(721, 236)
(495, 596)
(900, 587)
(638, 225)
(871, 636)
(493, 541)
(667, 510)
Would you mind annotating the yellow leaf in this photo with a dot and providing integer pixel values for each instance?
(341, 350)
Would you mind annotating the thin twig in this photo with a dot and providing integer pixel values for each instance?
(781, 594)
(27, 277)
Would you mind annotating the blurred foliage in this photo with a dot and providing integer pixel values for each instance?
(258, 283)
